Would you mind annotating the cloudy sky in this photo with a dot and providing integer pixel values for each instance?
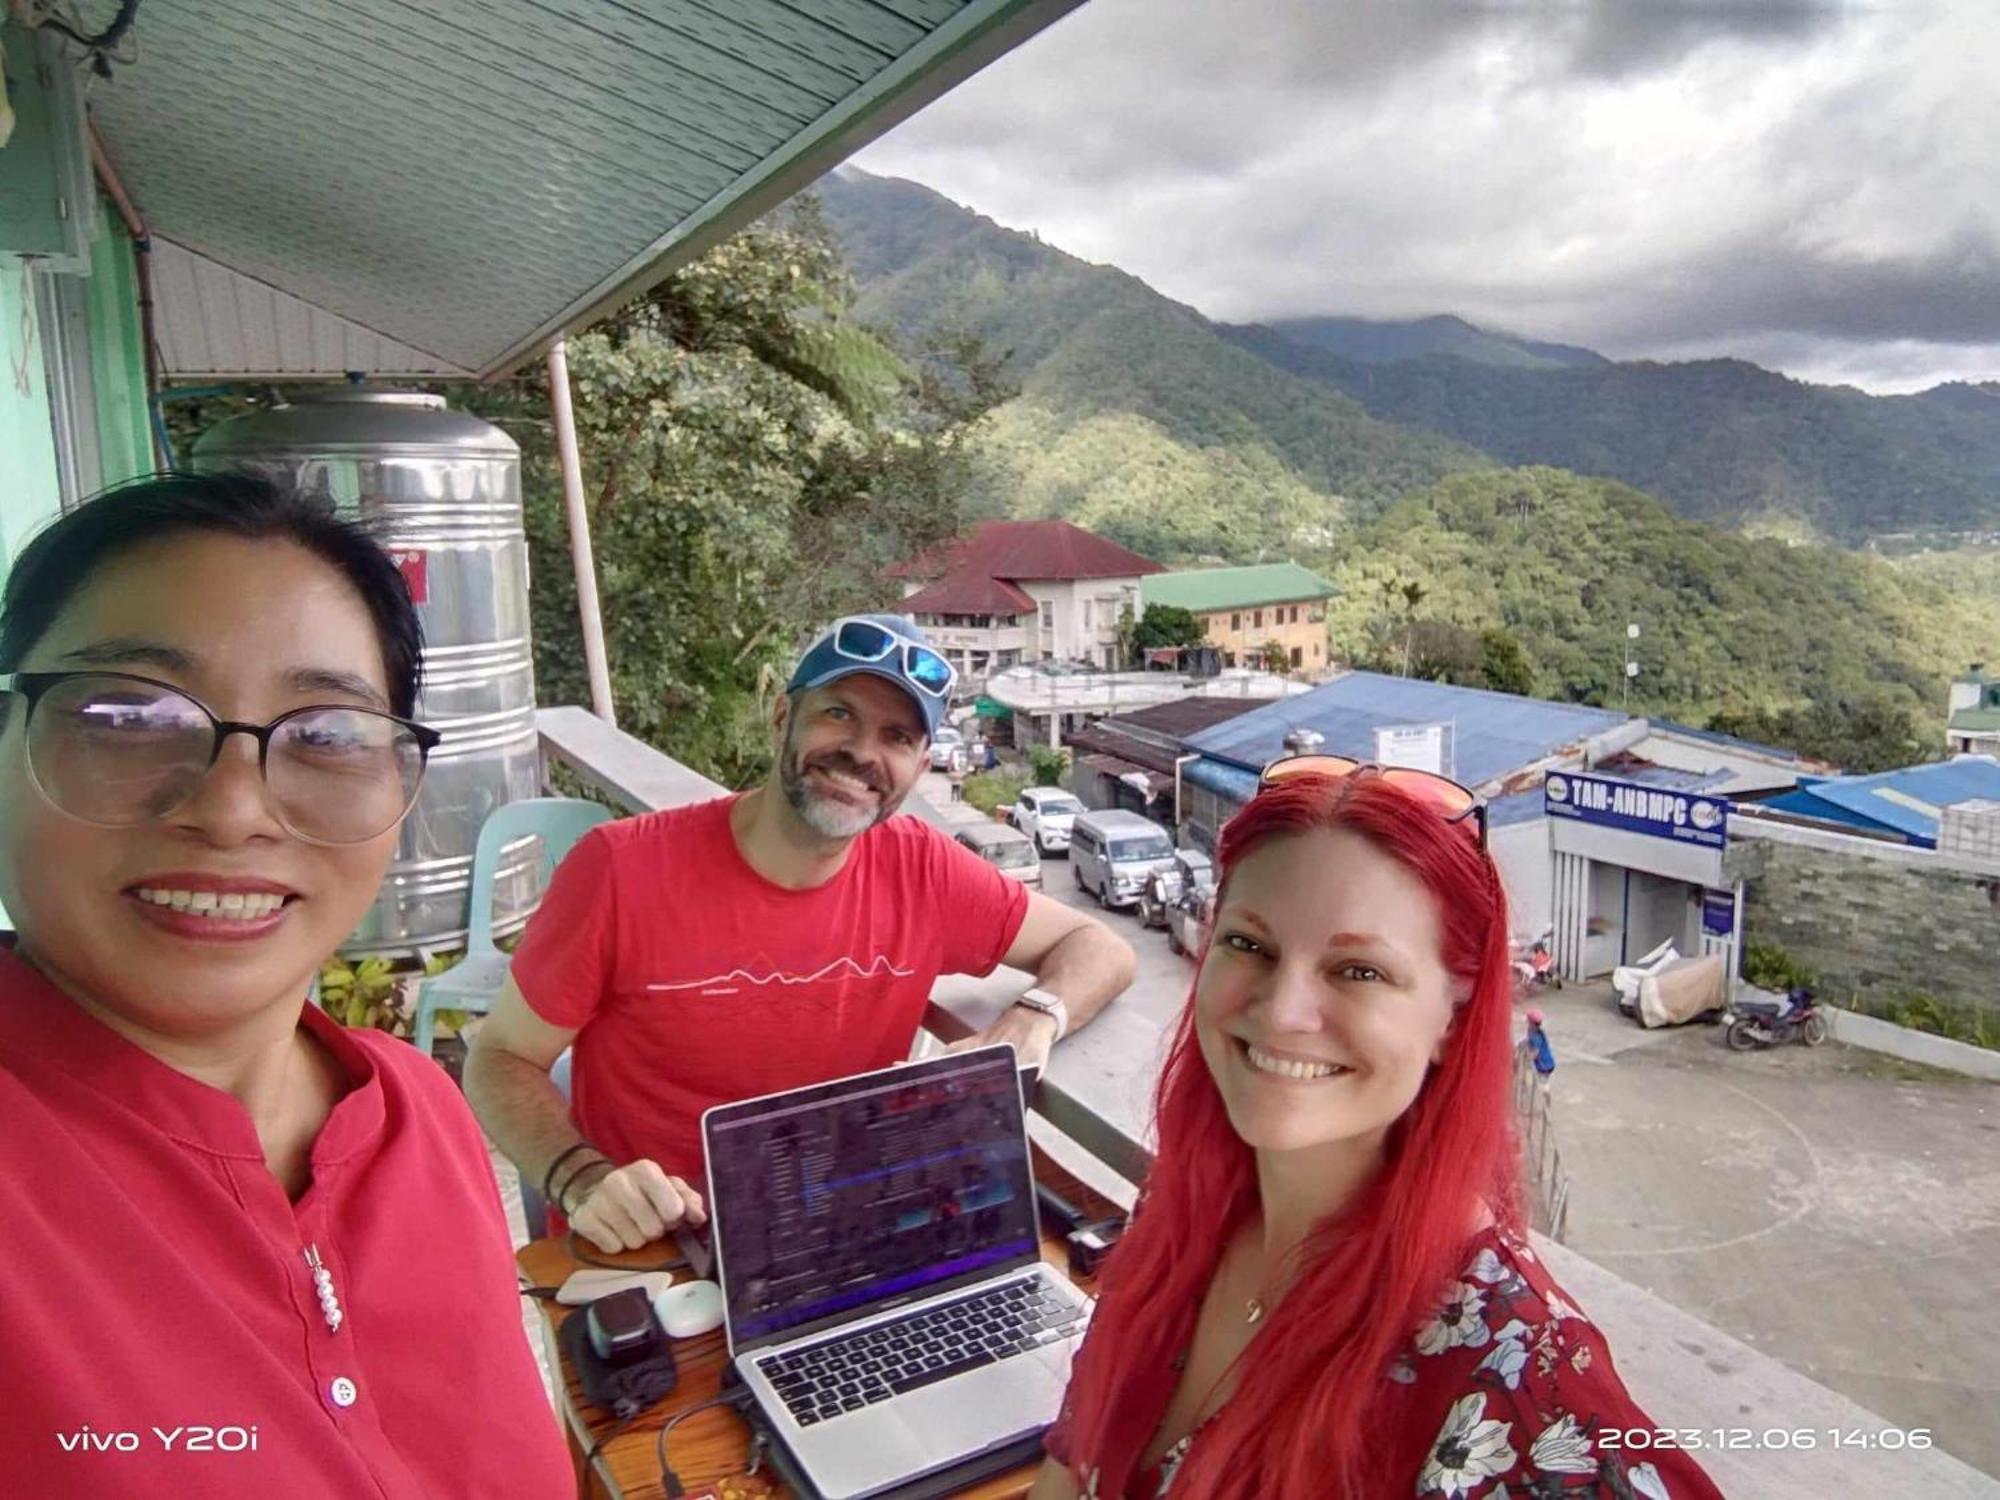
(1813, 186)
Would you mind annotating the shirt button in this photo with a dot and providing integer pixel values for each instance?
(343, 1392)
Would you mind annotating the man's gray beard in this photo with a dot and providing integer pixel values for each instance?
(829, 819)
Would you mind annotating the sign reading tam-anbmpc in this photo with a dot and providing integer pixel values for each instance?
(1661, 813)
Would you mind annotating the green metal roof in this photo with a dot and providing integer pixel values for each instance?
(448, 184)
(1205, 590)
(1977, 720)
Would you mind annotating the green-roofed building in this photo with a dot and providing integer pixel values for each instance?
(1244, 610)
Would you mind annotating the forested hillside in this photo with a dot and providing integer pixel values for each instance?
(1719, 440)
(1134, 416)
(1733, 628)
(1376, 341)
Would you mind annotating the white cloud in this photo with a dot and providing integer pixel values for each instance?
(1655, 178)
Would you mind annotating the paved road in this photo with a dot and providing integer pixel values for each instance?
(1164, 976)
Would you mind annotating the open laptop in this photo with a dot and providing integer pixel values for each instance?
(879, 1256)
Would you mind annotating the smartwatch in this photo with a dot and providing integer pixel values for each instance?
(1048, 1005)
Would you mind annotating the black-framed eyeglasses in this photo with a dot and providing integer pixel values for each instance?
(115, 750)
(1453, 802)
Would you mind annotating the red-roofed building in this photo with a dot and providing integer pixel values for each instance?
(1023, 591)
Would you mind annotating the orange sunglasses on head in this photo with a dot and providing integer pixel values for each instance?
(1454, 803)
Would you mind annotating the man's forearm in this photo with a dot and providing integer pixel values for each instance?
(522, 1111)
(1086, 970)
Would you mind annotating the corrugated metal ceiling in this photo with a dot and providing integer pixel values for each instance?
(463, 178)
(214, 321)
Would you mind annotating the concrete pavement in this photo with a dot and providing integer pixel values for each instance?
(1832, 1207)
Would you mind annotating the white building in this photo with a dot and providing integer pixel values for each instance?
(1016, 592)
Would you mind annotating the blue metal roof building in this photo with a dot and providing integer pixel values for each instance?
(1493, 734)
(1904, 804)
(1617, 898)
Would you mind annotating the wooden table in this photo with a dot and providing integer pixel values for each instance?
(709, 1451)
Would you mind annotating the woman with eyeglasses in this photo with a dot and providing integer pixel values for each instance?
(1326, 1289)
(248, 1252)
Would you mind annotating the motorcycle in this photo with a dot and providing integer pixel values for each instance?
(1191, 874)
(1768, 1023)
(1535, 966)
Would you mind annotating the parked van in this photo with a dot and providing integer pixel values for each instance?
(1008, 850)
(1112, 854)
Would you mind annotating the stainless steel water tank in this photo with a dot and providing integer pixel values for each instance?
(444, 490)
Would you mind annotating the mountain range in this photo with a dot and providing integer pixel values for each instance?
(1720, 440)
(1478, 497)
(1313, 417)
(1373, 341)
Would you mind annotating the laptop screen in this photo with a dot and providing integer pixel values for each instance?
(867, 1191)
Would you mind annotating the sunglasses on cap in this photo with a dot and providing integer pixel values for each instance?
(863, 640)
(1452, 802)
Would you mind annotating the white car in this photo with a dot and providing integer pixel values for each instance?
(943, 743)
(1045, 814)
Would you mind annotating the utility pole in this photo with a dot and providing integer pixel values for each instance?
(1631, 667)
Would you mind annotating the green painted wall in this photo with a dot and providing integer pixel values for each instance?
(117, 356)
(29, 494)
(28, 490)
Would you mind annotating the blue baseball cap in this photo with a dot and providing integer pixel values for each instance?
(887, 646)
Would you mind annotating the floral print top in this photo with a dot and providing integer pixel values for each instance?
(1507, 1392)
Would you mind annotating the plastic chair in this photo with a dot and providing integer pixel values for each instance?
(471, 984)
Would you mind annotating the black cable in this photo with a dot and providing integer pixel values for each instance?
(105, 40)
(617, 1431)
(669, 1480)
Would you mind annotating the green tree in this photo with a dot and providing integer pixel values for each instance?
(1166, 625)
(1503, 665)
(1414, 594)
(753, 461)
(1871, 734)
(1443, 652)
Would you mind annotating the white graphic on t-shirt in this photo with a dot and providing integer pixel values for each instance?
(727, 984)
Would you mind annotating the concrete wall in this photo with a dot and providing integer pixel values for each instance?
(1877, 921)
(1068, 636)
(1521, 852)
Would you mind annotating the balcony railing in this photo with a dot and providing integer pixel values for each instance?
(1097, 1128)
(1091, 1114)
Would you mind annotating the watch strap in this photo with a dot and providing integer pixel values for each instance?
(1049, 1005)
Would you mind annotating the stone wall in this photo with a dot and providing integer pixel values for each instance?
(1876, 921)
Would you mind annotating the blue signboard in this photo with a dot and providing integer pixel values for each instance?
(1718, 913)
(1659, 812)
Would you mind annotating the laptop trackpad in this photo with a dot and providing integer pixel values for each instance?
(935, 1426)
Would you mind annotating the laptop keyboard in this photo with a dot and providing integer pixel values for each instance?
(845, 1374)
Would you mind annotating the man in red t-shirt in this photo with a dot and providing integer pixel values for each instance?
(759, 942)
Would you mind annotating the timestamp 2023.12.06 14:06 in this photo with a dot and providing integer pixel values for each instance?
(1695, 1439)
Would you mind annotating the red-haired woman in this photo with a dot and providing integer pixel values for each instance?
(1326, 1290)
